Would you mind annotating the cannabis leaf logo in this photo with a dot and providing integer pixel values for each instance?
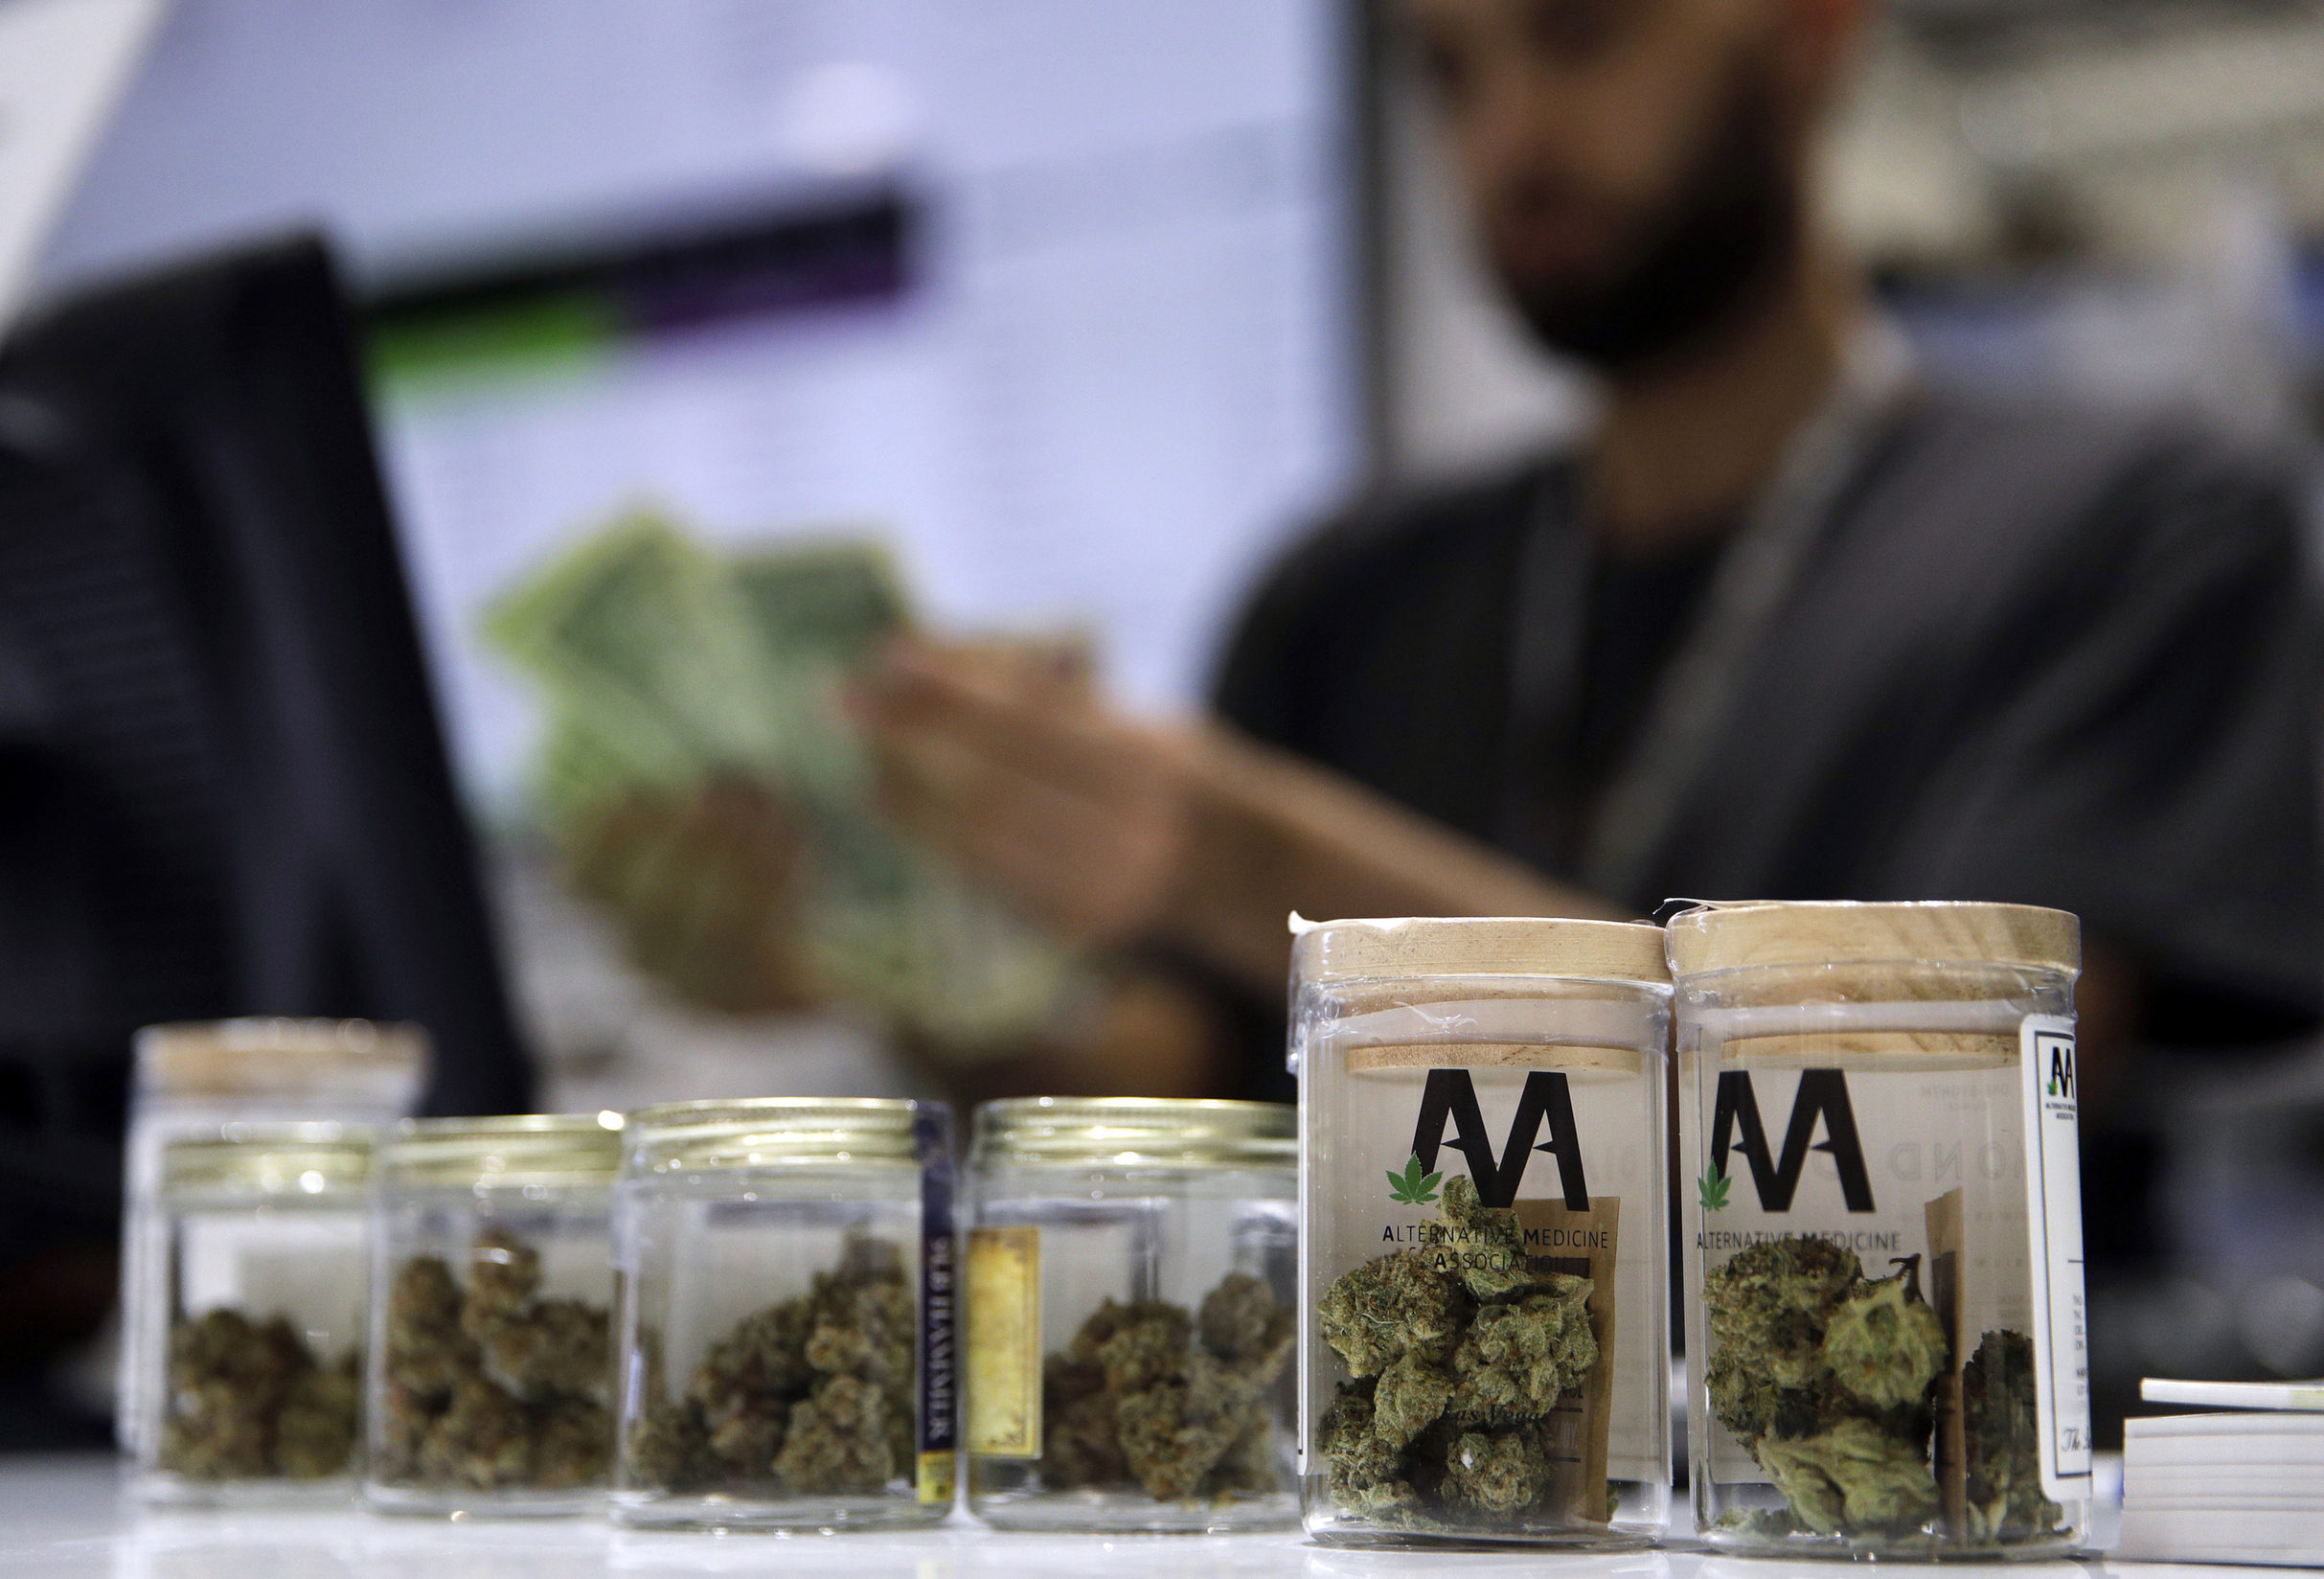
(1713, 1187)
(1412, 1187)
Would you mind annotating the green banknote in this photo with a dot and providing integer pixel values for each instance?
(663, 665)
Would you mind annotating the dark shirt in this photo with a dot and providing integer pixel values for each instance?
(1637, 612)
(2033, 657)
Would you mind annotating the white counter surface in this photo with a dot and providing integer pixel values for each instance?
(65, 1516)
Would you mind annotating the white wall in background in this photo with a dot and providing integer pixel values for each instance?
(62, 65)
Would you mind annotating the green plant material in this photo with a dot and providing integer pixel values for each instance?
(1521, 1357)
(572, 1437)
(668, 1444)
(1767, 1523)
(1853, 1479)
(1459, 1351)
(1178, 1406)
(1883, 1343)
(248, 1401)
(835, 1441)
(480, 1439)
(1363, 1471)
(1409, 1398)
(1373, 1314)
(811, 1396)
(1771, 1301)
(1506, 1474)
(1826, 1376)
(665, 668)
(503, 1273)
(1486, 1245)
(490, 1386)
(321, 1417)
(2001, 1425)
(427, 1351)
(1413, 1187)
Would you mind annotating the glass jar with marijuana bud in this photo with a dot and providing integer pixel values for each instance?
(1484, 1305)
(194, 1079)
(1883, 1246)
(785, 1321)
(490, 1390)
(1130, 1315)
(249, 1351)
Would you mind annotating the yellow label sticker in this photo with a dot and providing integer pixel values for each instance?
(935, 1471)
(1004, 1342)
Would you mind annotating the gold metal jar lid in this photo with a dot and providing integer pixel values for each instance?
(292, 1161)
(278, 1057)
(1329, 951)
(517, 1150)
(1136, 1131)
(1730, 937)
(775, 1131)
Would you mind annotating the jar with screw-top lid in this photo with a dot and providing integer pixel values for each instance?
(1483, 1294)
(490, 1382)
(1883, 1230)
(786, 1319)
(248, 1342)
(192, 1079)
(1131, 1291)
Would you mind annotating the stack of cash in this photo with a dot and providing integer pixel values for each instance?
(664, 666)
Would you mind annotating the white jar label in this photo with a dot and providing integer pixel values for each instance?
(2052, 1184)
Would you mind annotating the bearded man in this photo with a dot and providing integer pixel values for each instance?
(1792, 623)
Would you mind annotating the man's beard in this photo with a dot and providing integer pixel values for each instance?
(1728, 229)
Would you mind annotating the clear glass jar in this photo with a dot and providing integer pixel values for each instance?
(1484, 1317)
(194, 1079)
(1130, 1286)
(1883, 1277)
(785, 1318)
(490, 1388)
(249, 1352)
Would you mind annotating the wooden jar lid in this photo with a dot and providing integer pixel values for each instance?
(1727, 937)
(1476, 946)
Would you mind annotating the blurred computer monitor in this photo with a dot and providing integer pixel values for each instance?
(223, 789)
(1059, 300)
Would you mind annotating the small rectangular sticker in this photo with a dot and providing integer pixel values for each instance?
(938, 1305)
(1005, 1341)
(2053, 1187)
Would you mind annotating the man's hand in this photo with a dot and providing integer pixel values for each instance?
(1009, 766)
(1193, 835)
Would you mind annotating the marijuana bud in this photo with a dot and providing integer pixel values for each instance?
(1373, 1315)
(1179, 1404)
(1362, 1468)
(248, 1401)
(1770, 1303)
(427, 1351)
(314, 1435)
(1523, 1355)
(2000, 1421)
(1494, 1263)
(1853, 1479)
(479, 1438)
(1459, 1352)
(489, 1385)
(1883, 1343)
(1503, 1475)
(1824, 1376)
(812, 1395)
